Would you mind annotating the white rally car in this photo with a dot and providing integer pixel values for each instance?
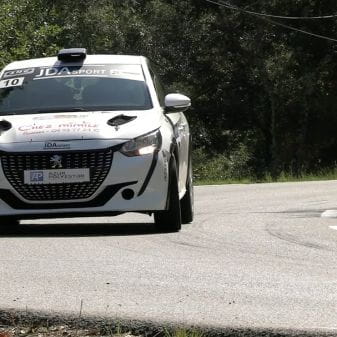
(84, 135)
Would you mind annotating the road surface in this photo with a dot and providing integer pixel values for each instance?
(256, 256)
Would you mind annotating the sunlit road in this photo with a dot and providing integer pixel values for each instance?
(255, 256)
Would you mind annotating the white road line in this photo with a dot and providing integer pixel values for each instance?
(329, 214)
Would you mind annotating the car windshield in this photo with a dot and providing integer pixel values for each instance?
(73, 88)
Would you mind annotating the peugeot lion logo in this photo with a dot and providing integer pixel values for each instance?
(56, 161)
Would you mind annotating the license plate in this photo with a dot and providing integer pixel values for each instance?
(57, 176)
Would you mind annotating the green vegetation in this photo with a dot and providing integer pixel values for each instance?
(282, 178)
(264, 97)
(220, 170)
(65, 330)
(184, 333)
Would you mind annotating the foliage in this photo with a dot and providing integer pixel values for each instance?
(263, 96)
(221, 168)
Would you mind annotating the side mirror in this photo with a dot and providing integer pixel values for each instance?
(176, 103)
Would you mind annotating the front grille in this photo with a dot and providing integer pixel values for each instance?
(99, 163)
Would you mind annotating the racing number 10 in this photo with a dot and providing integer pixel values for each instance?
(13, 82)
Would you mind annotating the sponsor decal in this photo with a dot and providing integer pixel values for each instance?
(39, 73)
(56, 146)
(36, 176)
(165, 166)
(65, 127)
(73, 71)
(46, 118)
(18, 72)
(62, 175)
(56, 176)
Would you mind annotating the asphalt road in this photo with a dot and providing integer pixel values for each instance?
(255, 256)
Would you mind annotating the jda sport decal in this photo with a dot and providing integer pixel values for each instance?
(17, 77)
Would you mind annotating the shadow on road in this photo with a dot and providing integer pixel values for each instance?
(82, 229)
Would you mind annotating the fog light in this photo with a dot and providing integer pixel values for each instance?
(128, 194)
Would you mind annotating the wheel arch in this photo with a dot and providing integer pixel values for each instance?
(175, 152)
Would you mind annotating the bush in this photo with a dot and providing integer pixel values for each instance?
(220, 167)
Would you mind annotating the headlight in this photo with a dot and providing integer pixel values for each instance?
(146, 144)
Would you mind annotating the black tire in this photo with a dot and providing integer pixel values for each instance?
(170, 220)
(7, 221)
(187, 202)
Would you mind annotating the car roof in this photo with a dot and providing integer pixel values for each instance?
(89, 60)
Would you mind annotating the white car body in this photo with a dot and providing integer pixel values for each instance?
(68, 162)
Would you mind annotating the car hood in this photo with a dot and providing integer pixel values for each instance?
(97, 127)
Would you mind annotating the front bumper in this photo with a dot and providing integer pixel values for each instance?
(133, 184)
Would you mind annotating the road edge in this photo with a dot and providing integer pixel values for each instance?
(13, 317)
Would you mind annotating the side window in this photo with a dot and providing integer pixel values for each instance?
(158, 86)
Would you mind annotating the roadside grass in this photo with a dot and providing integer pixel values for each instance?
(283, 177)
(67, 331)
(30, 324)
(183, 333)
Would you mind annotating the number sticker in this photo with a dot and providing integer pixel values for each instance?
(13, 82)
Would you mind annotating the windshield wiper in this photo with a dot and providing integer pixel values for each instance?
(62, 110)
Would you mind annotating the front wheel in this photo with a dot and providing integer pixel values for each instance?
(170, 220)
